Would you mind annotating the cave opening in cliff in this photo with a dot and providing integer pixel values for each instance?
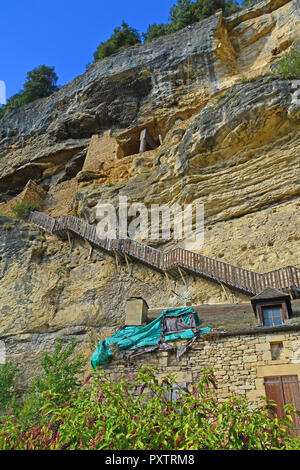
(139, 141)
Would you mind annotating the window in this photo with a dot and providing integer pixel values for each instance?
(276, 351)
(175, 391)
(272, 315)
(272, 307)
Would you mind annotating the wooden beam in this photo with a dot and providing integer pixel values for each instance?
(90, 247)
(168, 280)
(146, 141)
(70, 241)
(128, 260)
(117, 262)
(182, 276)
(225, 291)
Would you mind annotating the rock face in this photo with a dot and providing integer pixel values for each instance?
(229, 129)
(151, 85)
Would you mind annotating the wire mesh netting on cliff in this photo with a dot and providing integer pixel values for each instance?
(173, 324)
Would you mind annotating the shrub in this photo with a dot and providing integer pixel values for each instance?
(136, 414)
(123, 36)
(289, 66)
(61, 371)
(22, 210)
(59, 377)
(14, 101)
(8, 373)
(155, 31)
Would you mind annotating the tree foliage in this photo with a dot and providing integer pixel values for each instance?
(8, 373)
(59, 377)
(60, 372)
(182, 14)
(249, 3)
(187, 12)
(40, 82)
(122, 37)
(154, 31)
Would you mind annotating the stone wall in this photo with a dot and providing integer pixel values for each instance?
(106, 162)
(31, 193)
(101, 153)
(240, 361)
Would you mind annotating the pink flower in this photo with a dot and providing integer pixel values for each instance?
(96, 440)
(86, 379)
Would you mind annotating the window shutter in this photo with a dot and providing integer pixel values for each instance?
(283, 390)
(291, 392)
(274, 392)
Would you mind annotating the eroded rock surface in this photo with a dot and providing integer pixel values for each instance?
(230, 140)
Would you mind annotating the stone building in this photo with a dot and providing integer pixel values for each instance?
(247, 358)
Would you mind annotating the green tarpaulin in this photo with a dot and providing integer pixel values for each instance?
(184, 320)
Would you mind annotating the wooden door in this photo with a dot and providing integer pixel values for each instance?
(282, 390)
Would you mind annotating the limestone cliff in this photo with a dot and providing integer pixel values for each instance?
(227, 130)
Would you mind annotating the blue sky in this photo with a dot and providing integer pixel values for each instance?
(64, 33)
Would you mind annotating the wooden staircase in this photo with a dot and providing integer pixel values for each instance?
(176, 263)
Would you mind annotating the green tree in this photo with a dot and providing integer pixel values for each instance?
(205, 8)
(8, 373)
(123, 36)
(40, 82)
(231, 6)
(59, 377)
(188, 12)
(155, 31)
(249, 3)
(182, 14)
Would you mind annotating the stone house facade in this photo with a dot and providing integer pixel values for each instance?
(255, 362)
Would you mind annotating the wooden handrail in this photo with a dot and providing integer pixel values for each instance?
(247, 281)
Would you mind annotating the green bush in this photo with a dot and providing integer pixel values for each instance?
(155, 31)
(8, 373)
(60, 372)
(59, 377)
(289, 66)
(122, 37)
(22, 210)
(130, 414)
(187, 12)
